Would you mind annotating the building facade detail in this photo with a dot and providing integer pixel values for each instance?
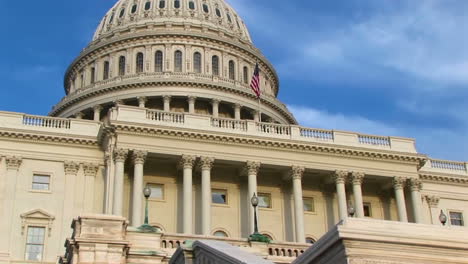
(13, 162)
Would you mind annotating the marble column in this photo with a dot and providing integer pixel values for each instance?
(90, 171)
(142, 101)
(340, 179)
(97, 112)
(296, 175)
(79, 115)
(237, 111)
(215, 105)
(139, 158)
(206, 164)
(120, 155)
(433, 202)
(256, 115)
(191, 104)
(251, 170)
(186, 164)
(399, 185)
(416, 185)
(357, 179)
(167, 103)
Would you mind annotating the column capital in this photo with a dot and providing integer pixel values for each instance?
(432, 201)
(142, 99)
(297, 172)
(118, 102)
(415, 184)
(251, 167)
(187, 162)
(166, 97)
(215, 101)
(120, 155)
(97, 108)
(79, 115)
(139, 156)
(399, 182)
(206, 163)
(71, 167)
(13, 162)
(339, 176)
(357, 177)
(191, 98)
(237, 106)
(90, 169)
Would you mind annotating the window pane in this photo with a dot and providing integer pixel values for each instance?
(309, 205)
(176, 3)
(134, 8)
(215, 65)
(157, 191)
(219, 196)
(122, 65)
(93, 74)
(367, 210)
(162, 4)
(41, 179)
(229, 18)
(264, 200)
(139, 62)
(178, 61)
(246, 75)
(232, 70)
(220, 234)
(456, 219)
(218, 13)
(105, 74)
(310, 240)
(35, 243)
(197, 62)
(147, 5)
(205, 8)
(192, 5)
(122, 13)
(158, 67)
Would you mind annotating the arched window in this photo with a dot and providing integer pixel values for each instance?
(122, 65)
(134, 8)
(105, 72)
(215, 65)
(246, 75)
(178, 61)
(197, 62)
(158, 61)
(93, 75)
(205, 8)
(162, 3)
(310, 240)
(232, 70)
(191, 5)
(220, 233)
(218, 12)
(176, 3)
(122, 13)
(148, 5)
(139, 62)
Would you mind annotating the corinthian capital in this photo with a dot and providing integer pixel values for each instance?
(251, 168)
(120, 155)
(357, 177)
(13, 162)
(297, 172)
(90, 169)
(339, 176)
(432, 201)
(71, 167)
(187, 161)
(206, 163)
(139, 156)
(415, 184)
(399, 182)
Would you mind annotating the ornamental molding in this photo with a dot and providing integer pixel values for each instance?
(399, 183)
(444, 179)
(340, 176)
(71, 167)
(415, 184)
(357, 177)
(206, 163)
(251, 168)
(287, 145)
(90, 169)
(120, 155)
(297, 172)
(187, 162)
(432, 201)
(13, 162)
(139, 156)
(51, 139)
(37, 217)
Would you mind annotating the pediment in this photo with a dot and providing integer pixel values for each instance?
(38, 214)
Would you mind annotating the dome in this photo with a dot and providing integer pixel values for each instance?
(214, 15)
(192, 56)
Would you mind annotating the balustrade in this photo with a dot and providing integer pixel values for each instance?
(168, 117)
(324, 135)
(42, 121)
(229, 124)
(374, 140)
(448, 165)
(274, 129)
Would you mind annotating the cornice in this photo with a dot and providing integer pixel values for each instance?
(288, 145)
(443, 178)
(35, 136)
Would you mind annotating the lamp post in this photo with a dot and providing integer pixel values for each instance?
(351, 210)
(146, 227)
(256, 236)
(442, 217)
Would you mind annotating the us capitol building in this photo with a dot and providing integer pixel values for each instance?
(161, 98)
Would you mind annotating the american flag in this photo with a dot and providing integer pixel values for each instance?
(255, 84)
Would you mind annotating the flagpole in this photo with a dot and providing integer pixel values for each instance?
(259, 111)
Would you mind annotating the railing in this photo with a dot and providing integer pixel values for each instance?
(448, 165)
(162, 116)
(41, 121)
(374, 140)
(229, 124)
(324, 135)
(274, 129)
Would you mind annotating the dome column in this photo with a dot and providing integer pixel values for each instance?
(142, 101)
(215, 105)
(167, 103)
(97, 112)
(191, 103)
(237, 111)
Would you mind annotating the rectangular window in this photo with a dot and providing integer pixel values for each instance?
(35, 243)
(157, 191)
(367, 210)
(456, 219)
(309, 204)
(219, 196)
(264, 200)
(41, 182)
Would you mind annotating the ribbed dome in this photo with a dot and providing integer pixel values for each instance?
(209, 14)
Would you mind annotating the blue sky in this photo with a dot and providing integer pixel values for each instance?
(388, 67)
